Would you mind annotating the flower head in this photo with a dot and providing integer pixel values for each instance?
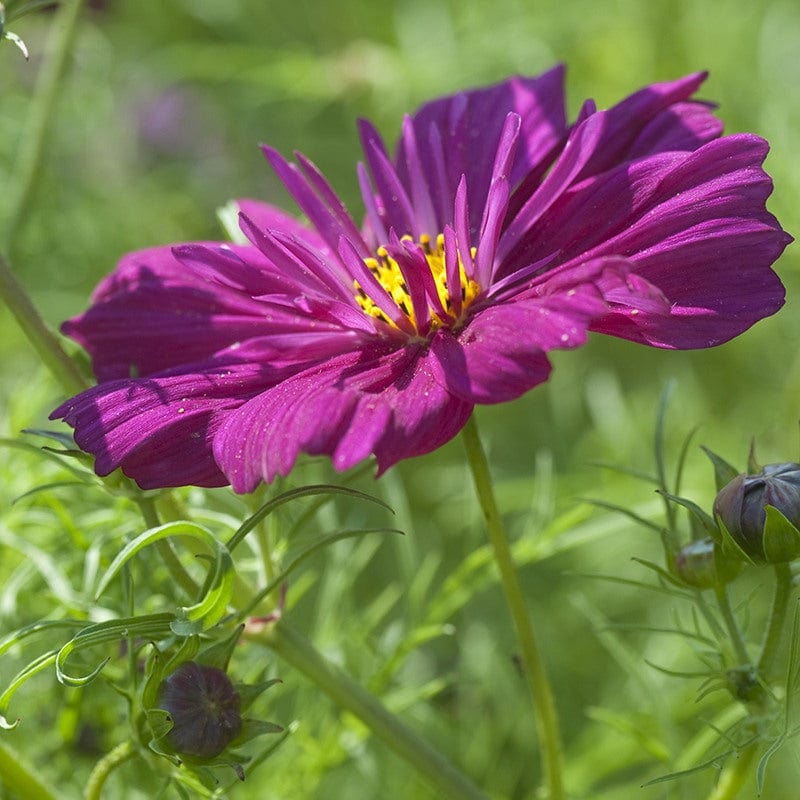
(498, 232)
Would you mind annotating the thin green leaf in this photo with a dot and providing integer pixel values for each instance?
(753, 467)
(658, 438)
(34, 668)
(305, 554)
(650, 587)
(706, 520)
(64, 439)
(622, 470)
(213, 605)
(294, 494)
(16, 637)
(627, 512)
(674, 673)
(50, 455)
(150, 626)
(724, 472)
(715, 762)
(46, 565)
(48, 487)
(761, 767)
(660, 571)
(684, 452)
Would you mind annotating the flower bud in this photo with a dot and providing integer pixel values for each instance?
(762, 513)
(204, 708)
(703, 565)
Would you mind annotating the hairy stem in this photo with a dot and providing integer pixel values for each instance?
(533, 664)
(739, 647)
(105, 766)
(440, 774)
(777, 619)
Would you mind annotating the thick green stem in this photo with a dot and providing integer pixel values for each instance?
(533, 664)
(105, 766)
(20, 779)
(439, 773)
(777, 619)
(733, 777)
(739, 647)
(34, 135)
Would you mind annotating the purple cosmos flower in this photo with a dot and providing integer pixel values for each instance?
(496, 233)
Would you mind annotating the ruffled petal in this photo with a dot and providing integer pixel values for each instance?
(390, 402)
(693, 225)
(159, 430)
(655, 119)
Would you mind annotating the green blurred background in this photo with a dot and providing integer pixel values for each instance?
(157, 126)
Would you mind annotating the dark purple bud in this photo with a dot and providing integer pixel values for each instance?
(703, 565)
(204, 708)
(742, 506)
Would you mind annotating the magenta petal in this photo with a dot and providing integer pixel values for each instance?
(268, 217)
(657, 116)
(159, 430)
(177, 317)
(383, 401)
(501, 353)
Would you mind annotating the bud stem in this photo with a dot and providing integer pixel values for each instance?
(777, 619)
(105, 766)
(739, 647)
(734, 775)
(533, 664)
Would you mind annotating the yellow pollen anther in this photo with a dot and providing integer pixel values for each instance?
(387, 272)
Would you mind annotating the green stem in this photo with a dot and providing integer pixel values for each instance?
(34, 135)
(37, 331)
(734, 775)
(544, 703)
(739, 647)
(17, 777)
(20, 190)
(164, 547)
(297, 651)
(777, 619)
(105, 766)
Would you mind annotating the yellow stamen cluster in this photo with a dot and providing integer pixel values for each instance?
(387, 272)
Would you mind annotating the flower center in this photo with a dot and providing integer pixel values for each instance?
(440, 306)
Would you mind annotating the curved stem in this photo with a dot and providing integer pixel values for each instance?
(544, 703)
(296, 650)
(37, 331)
(32, 142)
(105, 766)
(777, 619)
(18, 777)
(734, 775)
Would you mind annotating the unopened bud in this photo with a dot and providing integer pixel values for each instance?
(204, 708)
(762, 513)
